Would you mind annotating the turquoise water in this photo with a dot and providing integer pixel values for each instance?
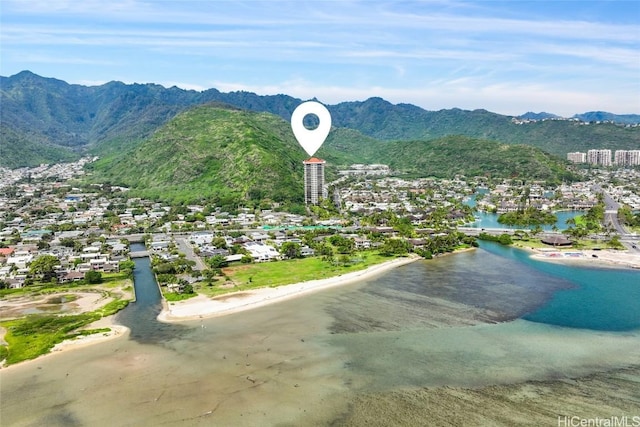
(603, 299)
(490, 220)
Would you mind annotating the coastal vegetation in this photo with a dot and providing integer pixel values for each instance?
(527, 216)
(34, 335)
(629, 218)
(30, 336)
(503, 239)
(591, 222)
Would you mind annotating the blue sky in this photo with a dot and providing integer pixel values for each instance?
(509, 57)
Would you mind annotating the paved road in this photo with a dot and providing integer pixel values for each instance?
(611, 212)
(185, 248)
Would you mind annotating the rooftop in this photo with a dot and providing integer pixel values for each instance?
(313, 160)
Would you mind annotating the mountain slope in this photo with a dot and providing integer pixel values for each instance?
(229, 157)
(600, 116)
(380, 119)
(212, 153)
(453, 155)
(16, 147)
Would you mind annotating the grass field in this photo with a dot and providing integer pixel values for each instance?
(260, 275)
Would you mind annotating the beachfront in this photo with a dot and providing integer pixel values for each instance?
(203, 307)
(604, 258)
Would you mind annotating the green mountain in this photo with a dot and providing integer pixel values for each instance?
(380, 119)
(229, 156)
(16, 147)
(600, 116)
(211, 153)
(58, 120)
(452, 155)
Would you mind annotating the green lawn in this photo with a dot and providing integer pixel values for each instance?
(277, 273)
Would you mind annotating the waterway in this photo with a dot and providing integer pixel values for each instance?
(490, 220)
(484, 318)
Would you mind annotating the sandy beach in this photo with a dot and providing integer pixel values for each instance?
(115, 331)
(204, 307)
(608, 257)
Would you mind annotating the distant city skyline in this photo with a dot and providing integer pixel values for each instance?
(561, 57)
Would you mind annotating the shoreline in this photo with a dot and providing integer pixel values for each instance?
(609, 258)
(117, 331)
(201, 307)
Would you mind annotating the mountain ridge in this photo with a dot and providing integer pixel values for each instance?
(63, 120)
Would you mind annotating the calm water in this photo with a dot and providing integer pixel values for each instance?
(490, 220)
(140, 317)
(458, 320)
(604, 299)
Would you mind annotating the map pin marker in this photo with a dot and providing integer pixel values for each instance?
(311, 140)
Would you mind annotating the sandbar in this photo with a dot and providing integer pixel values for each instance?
(607, 257)
(204, 307)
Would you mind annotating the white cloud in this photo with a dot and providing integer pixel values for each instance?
(435, 54)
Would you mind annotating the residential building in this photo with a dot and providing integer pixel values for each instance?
(314, 189)
(599, 157)
(577, 157)
(627, 157)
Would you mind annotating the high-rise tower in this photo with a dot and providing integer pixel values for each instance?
(313, 180)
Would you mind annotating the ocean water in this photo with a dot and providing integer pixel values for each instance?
(600, 298)
(486, 317)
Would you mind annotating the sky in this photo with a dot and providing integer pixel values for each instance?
(509, 57)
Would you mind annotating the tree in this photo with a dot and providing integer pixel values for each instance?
(505, 239)
(127, 267)
(219, 243)
(209, 276)
(291, 250)
(614, 242)
(68, 242)
(217, 261)
(45, 266)
(93, 277)
(344, 245)
(394, 247)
